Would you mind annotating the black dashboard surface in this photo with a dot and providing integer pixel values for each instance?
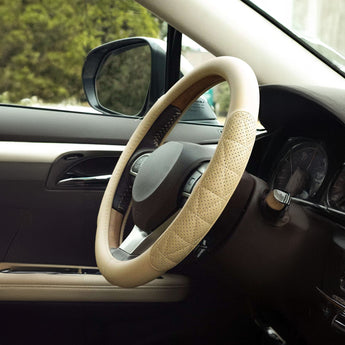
(302, 150)
(304, 142)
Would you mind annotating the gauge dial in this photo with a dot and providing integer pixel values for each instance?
(336, 191)
(302, 170)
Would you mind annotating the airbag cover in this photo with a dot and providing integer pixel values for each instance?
(157, 186)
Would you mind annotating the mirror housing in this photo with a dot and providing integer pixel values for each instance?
(98, 56)
(200, 111)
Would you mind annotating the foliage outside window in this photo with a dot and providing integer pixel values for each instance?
(44, 44)
(219, 96)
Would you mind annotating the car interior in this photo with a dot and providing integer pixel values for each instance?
(166, 226)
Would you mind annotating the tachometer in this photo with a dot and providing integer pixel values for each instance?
(336, 191)
(302, 170)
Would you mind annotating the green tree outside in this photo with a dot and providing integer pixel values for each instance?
(44, 43)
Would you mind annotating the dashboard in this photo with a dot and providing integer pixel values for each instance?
(302, 168)
(305, 169)
(302, 152)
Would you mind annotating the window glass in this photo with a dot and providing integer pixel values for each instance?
(319, 23)
(219, 96)
(44, 44)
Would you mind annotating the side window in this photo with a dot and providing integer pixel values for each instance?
(44, 44)
(219, 96)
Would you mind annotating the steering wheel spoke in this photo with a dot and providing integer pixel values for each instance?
(138, 241)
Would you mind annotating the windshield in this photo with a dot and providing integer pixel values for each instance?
(318, 23)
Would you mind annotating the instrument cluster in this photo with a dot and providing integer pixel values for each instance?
(303, 171)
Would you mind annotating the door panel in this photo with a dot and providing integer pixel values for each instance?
(43, 222)
(54, 126)
(49, 165)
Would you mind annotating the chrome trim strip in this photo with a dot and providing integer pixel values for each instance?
(338, 322)
(136, 237)
(325, 209)
(138, 240)
(84, 180)
(330, 299)
(28, 152)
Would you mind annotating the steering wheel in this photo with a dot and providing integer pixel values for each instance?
(163, 234)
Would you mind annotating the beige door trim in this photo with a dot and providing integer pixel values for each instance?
(31, 285)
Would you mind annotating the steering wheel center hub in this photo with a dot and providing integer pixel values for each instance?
(157, 186)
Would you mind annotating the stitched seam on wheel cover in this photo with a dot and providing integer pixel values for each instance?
(210, 196)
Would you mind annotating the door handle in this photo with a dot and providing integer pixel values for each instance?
(85, 181)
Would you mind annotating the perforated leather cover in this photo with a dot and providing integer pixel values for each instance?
(213, 191)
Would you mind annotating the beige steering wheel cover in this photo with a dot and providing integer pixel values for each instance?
(213, 191)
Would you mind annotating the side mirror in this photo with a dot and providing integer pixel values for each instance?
(125, 77)
(127, 93)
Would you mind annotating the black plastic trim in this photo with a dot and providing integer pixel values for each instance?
(70, 127)
(173, 56)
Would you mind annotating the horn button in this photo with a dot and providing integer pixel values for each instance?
(157, 186)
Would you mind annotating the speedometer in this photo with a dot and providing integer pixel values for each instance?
(336, 191)
(302, 170)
